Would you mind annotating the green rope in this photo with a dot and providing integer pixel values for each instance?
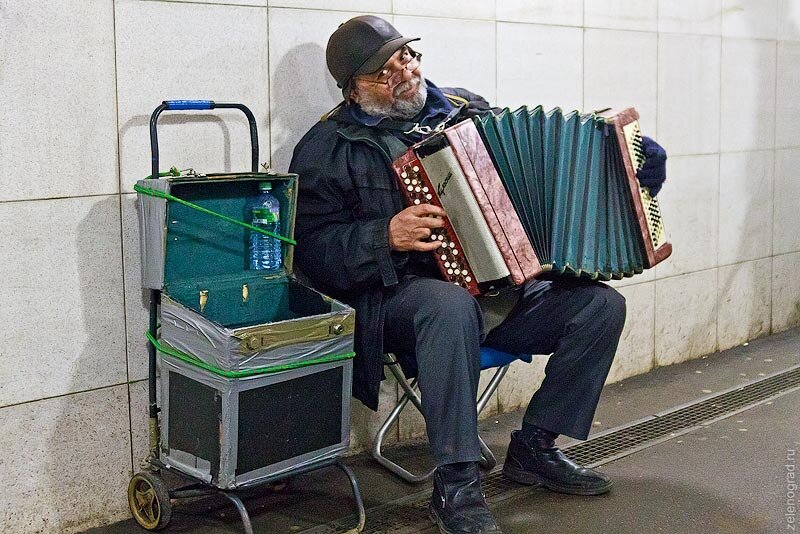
(173, 171)
(175, 353)
(167, 196)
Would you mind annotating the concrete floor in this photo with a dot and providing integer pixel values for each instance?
(727, 477)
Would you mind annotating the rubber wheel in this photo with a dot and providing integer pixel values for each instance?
(148, 499)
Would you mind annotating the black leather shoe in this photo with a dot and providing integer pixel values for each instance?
(538, 461)
(457, 505)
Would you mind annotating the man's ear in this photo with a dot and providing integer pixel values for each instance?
(353, 95)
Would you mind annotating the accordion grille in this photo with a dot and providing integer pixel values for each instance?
(652, 209)
(652, 213)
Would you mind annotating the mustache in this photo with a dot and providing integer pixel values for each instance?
(406, 85)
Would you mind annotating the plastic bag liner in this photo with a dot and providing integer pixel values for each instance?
(257, 345)
(224, 473)
(152, 214)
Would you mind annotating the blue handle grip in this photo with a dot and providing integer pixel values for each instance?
(189, 104)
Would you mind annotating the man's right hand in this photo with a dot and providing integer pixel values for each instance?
(411, 228)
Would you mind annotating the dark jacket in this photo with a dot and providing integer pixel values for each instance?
(347, 196)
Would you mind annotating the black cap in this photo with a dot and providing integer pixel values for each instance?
(362, 45)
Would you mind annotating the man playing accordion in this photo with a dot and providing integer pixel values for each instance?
(358, 243)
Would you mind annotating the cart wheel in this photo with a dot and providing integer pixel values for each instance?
(148, 499)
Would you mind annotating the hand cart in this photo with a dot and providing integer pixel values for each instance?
(241, 364)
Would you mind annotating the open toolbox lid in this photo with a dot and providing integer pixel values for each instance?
(180, 245)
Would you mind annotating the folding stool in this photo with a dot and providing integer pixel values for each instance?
(490, 359)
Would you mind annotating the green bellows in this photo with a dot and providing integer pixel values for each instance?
(566, 179)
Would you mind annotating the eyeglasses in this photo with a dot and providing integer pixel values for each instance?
(409, 60)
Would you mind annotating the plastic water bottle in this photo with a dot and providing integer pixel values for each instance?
(265, 210)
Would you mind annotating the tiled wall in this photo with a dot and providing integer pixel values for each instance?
(716, 82)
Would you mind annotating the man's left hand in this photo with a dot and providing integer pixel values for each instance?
(654, 171)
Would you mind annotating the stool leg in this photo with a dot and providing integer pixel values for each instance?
(377, 453)
(488, 461)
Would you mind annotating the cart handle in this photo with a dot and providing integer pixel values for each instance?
(182, 105)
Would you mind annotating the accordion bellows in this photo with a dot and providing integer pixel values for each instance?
(528, 191)
(571, 179)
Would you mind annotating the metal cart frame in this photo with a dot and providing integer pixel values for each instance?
(148, 495)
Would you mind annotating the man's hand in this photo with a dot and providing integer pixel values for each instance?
(654, 172)
(410, 227)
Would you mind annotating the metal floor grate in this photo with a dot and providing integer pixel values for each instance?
(409, 514)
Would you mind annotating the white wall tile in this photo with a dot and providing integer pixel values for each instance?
(787, 106)
(757, 19)
(789, 20)
(690, 16)
(552, 74)
(744, 296)
(457, 53)
(66, 462)
(62, 289)
(688, 94)
(686, 317)
(301, 88)
(137, 312)
(261, 3)
(621, 14)
(209, 62)
(58, 105)
(785, 291)
(745, 206)
(564, 13)
(635, 354)
(786, 237)
(360, 7)
(140, 421)
(748, 95)
(462, 9)
(521, 382)
(620, 71)
(690, 208)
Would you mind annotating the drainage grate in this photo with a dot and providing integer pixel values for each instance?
(409, 514)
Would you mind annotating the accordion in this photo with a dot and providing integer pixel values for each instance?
(530, 193)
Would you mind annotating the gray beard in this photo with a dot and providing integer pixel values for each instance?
(400, 108)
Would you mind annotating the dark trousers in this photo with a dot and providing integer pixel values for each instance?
(435, 329)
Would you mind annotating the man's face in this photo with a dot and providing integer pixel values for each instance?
(395, 90)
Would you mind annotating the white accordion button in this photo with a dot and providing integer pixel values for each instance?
(404, 174)
(428, 196)
(410, 188)
(444, 257)
(447, 264)
(406, 181)
(425, 189)
(414, 182)
(415, 168)
(418, 189)
(449, 271)
(416, 201)
(452, 245)
(441, 237)
(455, 252)
(468, 279)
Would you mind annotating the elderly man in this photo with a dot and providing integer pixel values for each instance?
(358, 243)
